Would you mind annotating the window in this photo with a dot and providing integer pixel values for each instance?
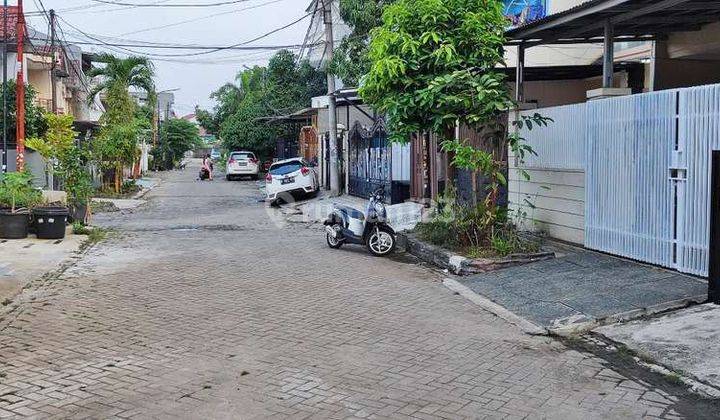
(286, 168)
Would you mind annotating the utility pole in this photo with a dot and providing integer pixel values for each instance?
(4, 86)
(53, 80)
(20, 92)
(332, 115)
(156, 123)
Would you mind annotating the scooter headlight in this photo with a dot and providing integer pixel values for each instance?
(380, 209)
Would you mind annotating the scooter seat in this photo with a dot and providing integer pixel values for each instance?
(350, 212)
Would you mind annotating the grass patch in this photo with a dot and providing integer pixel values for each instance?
(103, 207)
(674, 378)
(97, 235)
(127, 190)
(505, 240)
(80, 229)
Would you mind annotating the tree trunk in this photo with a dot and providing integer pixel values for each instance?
(118, 177)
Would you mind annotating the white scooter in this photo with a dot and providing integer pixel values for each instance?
(349, 225)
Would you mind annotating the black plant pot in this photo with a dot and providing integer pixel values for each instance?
(14, 225)
(50, 222)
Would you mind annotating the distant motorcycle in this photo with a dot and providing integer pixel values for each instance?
(349, 225)
(204, 174)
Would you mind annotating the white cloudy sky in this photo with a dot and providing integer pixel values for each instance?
(196, 77)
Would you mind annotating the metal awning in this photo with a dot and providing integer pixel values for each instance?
(630, 20)
(535, 74)
(610, 21)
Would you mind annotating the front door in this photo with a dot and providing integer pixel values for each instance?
(714, 280)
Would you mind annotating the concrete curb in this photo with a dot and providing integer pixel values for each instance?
(581, 327)
(463, 266)
(144, 192)
(492, 307)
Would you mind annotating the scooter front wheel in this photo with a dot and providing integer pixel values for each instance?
(381, 242)
(332, 241)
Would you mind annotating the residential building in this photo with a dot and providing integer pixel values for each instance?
(624, 167)
(67, 64)
(164, 106)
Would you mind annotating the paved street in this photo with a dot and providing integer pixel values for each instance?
(204, 306)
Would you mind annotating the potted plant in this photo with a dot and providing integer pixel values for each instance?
(59, 141)
(18, 195)
(77, 183)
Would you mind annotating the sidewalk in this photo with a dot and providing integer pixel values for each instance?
(581, 290)
(686, 341)
(23, 260)
(146, 184)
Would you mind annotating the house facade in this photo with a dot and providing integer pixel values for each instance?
(67, 64)
(625, 166)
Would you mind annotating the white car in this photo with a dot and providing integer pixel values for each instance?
(293, 177)
(242, 164)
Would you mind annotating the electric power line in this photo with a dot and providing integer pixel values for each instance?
(193, 47)
(182, 22)
(216, 4)
(210, 51)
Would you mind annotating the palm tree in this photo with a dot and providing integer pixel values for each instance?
(118, 140)
(135, 72)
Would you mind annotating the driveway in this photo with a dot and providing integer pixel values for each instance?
(581, 288)
(206, 305)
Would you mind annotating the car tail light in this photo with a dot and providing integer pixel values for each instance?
(231, 161)
(304, 170)
(253, 161)
(268, 178)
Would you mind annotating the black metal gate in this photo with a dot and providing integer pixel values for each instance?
(370, 161)
(714, 280)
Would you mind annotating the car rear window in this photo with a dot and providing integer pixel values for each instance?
(285, 168)
(242, 156)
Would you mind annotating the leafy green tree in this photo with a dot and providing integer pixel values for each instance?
(117, 143)
(35, 123)
(434, 65)
(228, 98)
(58, 139)
(240, 118)
(177, 136)
(350, 60)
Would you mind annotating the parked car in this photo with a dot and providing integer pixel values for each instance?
(295, 177)
(242, 164)
(215, 155)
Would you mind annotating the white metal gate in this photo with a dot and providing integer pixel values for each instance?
(647, 162)
(629, 195)
(699, 135)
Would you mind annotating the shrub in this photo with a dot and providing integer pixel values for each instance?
(17, 191)
(479, 231)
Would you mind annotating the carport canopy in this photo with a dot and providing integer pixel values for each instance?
(610, 21)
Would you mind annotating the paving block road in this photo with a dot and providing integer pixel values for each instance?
(204, 304)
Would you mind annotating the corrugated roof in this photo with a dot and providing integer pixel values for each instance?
(12, 17)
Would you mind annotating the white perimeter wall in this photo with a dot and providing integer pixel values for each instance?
(553, 199)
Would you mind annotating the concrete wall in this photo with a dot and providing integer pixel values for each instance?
(679, 73)
(558, 197)
(33, 162)
(703, 44)
(557, 92)
(342, 117)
